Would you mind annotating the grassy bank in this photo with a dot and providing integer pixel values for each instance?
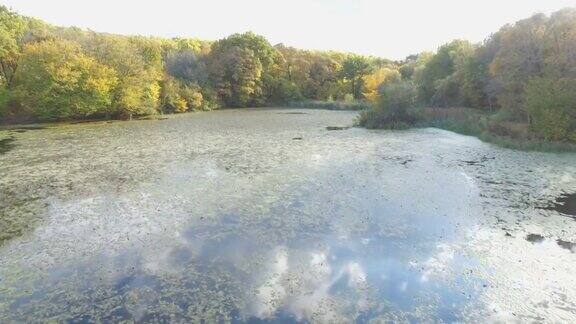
(329, 105)
(488, 127)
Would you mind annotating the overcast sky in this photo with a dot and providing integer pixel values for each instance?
(392, 29)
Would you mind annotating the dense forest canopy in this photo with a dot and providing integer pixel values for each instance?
(526, 72)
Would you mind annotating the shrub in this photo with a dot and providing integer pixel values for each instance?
(551, 105)
(192, 97)
(395, 109)
(178, 98)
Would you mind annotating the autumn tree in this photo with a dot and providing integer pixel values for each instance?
(315, 74)
(139, 69)
(66, 84)
(236, 73)
(520, 58)
(373, 82)
(12, 29)
(239, 67)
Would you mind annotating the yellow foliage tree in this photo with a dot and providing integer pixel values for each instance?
(374, 81)
(58, 81)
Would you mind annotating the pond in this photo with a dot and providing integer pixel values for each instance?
(269, 215)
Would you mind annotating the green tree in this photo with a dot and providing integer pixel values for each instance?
(551, 105)
(435, 79)
(307, 74)
(473, 78)
(322, 77)
(354, 69)
(259, 46)
(237, 74)
(242, 66)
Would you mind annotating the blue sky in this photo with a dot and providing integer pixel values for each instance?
(392, 29)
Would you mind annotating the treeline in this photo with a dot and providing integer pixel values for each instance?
(524, 75)
(50, 73)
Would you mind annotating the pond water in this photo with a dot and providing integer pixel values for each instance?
(268, 215)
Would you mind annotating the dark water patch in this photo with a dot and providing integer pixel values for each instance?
(404, 163)
(570, 246)
(403, 160)
(534, 238)
(336, 128)
(470, 162)
(7, 144)
(152, 118)
(88, 121)
(565, 204)
(297, 138)
(538, 239)
(491, 182)
(24, 129)
(479, 162)
(96, 121)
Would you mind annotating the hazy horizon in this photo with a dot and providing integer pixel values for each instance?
(318, 24)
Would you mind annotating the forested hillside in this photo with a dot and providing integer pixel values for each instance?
(521, 80)
(523, 76)
(51, 73)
